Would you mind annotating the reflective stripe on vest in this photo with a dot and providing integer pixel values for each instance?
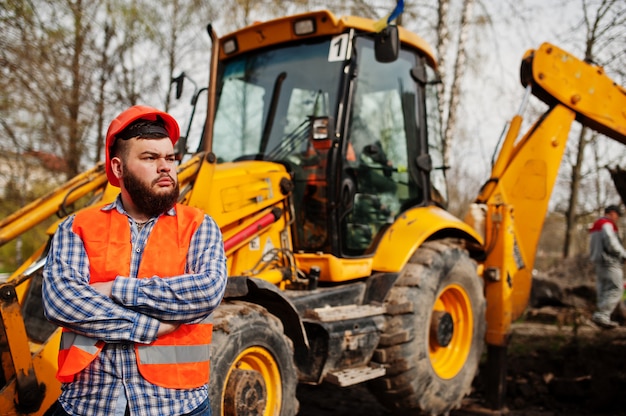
(192, 361)
(163, 355)
(69, 339)
(180, 359)
(83, 350)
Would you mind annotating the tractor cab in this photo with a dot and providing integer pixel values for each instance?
(346, 114)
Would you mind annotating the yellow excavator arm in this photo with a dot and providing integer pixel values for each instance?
(513, 203)
(58, 201)
(559, 78)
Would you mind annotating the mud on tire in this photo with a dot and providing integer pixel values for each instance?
(440, 279)
(252, 368)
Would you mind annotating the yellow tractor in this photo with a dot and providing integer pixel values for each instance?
(320, 162)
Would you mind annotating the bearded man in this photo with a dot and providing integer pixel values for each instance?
(133, 284)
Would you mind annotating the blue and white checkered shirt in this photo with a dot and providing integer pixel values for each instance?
(112, 382)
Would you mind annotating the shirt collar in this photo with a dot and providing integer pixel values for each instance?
(117, 205)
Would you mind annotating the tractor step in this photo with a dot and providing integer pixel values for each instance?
(344, 312)
(353, 376)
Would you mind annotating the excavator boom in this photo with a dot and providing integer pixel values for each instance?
(57, 201)
(515, 198)
(511, 207)
(557, 77)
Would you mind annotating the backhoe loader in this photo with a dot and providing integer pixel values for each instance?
(321, 162)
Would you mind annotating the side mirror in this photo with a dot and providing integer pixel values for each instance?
(387, 44)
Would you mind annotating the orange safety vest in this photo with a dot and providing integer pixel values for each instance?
(177, 360)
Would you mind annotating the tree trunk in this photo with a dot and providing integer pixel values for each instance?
(443, 42)
(570, 214)
(455, 89)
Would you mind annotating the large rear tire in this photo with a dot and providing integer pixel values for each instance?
(434, 334)
(252, 367)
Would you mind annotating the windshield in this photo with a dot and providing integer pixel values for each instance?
(267, 99)
(384, 136)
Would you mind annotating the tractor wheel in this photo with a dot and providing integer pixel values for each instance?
(434, 333)
(252, 367)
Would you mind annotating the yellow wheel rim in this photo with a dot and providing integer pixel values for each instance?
(260, 360)
(448, 360)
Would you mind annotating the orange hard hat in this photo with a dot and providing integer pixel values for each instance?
(125, 118)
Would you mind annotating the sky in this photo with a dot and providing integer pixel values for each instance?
(515, 27)
(493, 92)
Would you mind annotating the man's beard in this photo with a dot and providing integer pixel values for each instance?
(145, 199)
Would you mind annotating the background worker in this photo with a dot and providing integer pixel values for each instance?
(133, 284)
(608, 255)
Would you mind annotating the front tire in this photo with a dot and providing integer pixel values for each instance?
(252, 367)
(435, 330)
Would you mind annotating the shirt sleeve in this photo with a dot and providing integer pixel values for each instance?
(612, 244)
(188, 297)
(70, 302)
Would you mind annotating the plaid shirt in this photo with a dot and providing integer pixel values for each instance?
(112, 382)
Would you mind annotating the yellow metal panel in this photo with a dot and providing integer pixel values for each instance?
(278, 31)
(532, 181)
(45, 366)
(527, 182)
(45, 363)
(247, 186)
(599, 101)
(394, 249)
(334, 269)
(499, 291)
(248, 257)
(517, 202)
(410, 230)
(200, 196)
(248, 193)
(208, 192)
(29, 360)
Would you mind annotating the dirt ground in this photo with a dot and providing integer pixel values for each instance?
(558, 363)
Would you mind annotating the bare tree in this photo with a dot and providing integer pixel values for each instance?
(240, 13)
(443, 43)
(603, 24)
(179, 21)
(457, 77)
(51, 62)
